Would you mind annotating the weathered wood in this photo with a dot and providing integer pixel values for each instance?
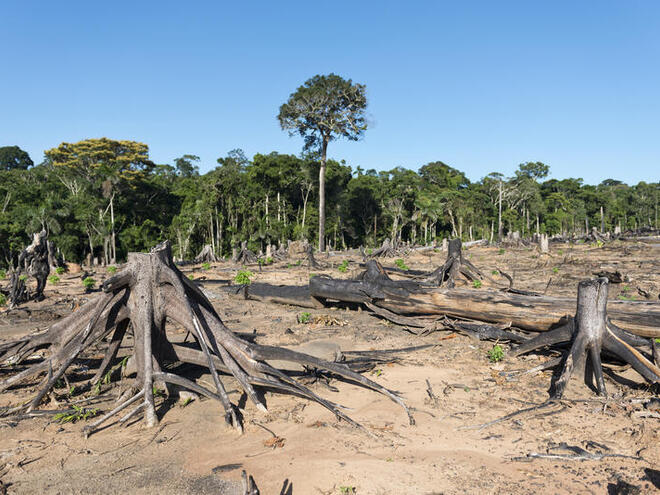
(526, 312)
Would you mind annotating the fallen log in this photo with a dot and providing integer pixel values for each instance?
(533, 313)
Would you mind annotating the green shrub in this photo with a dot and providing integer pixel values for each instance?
(343, 267)
(401, 264)
(476, 284)
(54, 279)
(206, 266)
(3, 300)
(3, 274)
(501, 251)
(191, 277)
(269, 260)
(495, 272)
(243, 277)
(89, 283)
(304, 317)
(112, 270)
(60, 270)
(496, 354)
(555, 270)
(22, 278)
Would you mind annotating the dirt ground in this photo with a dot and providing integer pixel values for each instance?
(194, 451)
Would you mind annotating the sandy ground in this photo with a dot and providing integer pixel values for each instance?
(193, 451)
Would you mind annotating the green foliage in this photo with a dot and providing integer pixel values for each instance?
(347, 490)
(191, 277)
(111, 269)
(495, 272)
(496, 354)
(3, 300)
(60, 270)
(78, 413)
(401, 264)
(501, 251)
(206, 266)
(89, 283)
(476, 284)
(22, 278)
(555, 270)
(13, 157)
(343, 267)
(269, 260)
(54, 279)
(243, 277)
(304, 317)
(3, 274)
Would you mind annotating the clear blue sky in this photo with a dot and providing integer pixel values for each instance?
(481, 86)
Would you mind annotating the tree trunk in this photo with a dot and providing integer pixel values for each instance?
(324, 152)
(148, 292)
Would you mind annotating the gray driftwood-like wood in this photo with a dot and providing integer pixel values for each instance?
(34, 259)
(591, 331)
(147, 292)
(206, 255)
(454, 266)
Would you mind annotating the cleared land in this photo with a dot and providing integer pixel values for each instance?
(193, 450)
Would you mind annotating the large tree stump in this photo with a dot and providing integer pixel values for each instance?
(147, 292)
(454, 266)
(34, 259)
(591, 331)
(206, 255)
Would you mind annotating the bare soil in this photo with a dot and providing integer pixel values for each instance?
(194, 451)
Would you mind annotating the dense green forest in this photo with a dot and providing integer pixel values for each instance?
(107, 197)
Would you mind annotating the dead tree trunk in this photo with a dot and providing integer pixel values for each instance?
(149, 291)
(591, 331)
(455, 265)
(35, 259)
(245, 256)
(310, 258)
(206, 255)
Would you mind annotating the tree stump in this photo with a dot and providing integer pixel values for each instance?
(591, 331)
(147, 292)
(454, 266)
(206, 255)
(35, 260)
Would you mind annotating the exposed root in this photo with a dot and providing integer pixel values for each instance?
(591, 332)
(147, 292)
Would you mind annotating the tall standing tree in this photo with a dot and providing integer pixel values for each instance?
(12, 157)
(322, 109)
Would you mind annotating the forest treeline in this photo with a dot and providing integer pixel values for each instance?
(107, 198)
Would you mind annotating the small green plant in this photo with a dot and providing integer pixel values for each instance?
(496, 354)
(343, 267)
(401, 264)
(289, 265)
(501, 251)
(191, 277)
(243, 277)
(299, 262)
(657, 341)
(22, 278)
(377, 372)
(312, 275)
(555, 270)
(187, 401)
(304, 317)
(60, 270)
(157, 391)
(3, 274)
(269, 260)
(54, 279)
(347, 490)
(3, 300)
(77, 414)
(206, 266)
(370, 251)
(495, 272)
(476, 284)
(89, 283)
(111, 269)
(626, 288)
(560, 251)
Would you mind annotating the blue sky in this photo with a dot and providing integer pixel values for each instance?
(482, 86)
